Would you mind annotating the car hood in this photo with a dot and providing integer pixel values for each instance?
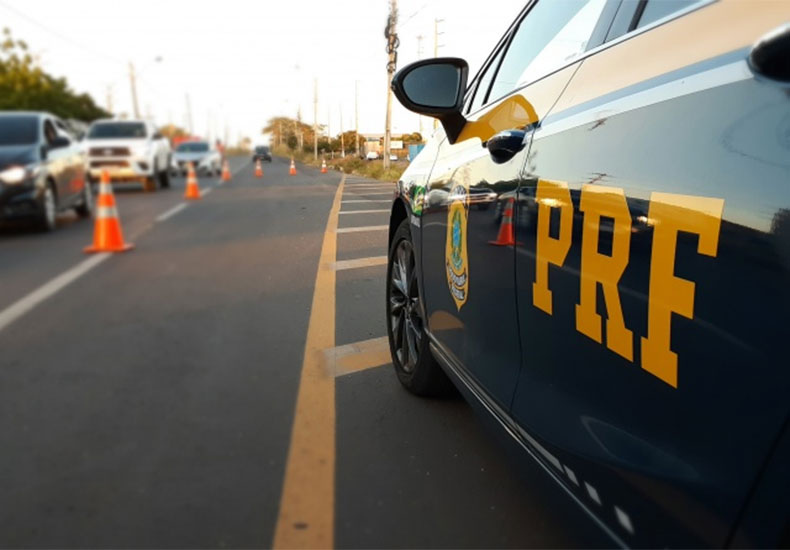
(11, 155)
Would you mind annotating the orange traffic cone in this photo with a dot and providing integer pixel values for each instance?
(193, 191)
(323, 166)
(225, 171)
(107, 234)
(292, 171)
(258, 169)
(507, 234)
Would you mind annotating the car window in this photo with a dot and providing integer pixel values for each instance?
(117, 130)
(484, 82)
(50, 133)
(656, 9)
(18, 130)
(550, 35)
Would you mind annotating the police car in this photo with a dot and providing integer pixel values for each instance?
(595, 249)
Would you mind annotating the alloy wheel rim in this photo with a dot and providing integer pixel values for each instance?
(406, 323)
(49, 206)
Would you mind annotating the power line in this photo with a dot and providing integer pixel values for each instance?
(59, 35)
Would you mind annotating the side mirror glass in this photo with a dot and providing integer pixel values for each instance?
(435, 88)
(59, 142)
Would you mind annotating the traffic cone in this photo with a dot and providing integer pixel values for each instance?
(193, 191)
(225, 171)
(507, 234)
(292, 171)
(258, 169)
(107, 234)
(323, 166)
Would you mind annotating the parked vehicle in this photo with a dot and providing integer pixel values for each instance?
(205, 158)
(42, 170)
(130, 151)
(622, 312)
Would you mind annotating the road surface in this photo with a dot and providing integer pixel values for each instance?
(227, 384)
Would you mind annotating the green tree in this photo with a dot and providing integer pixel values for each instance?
(25, 86)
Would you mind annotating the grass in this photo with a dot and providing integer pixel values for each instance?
(373, 169)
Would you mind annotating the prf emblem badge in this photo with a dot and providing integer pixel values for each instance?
(456, 259)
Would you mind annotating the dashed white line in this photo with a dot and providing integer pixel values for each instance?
(48, 289)
(363, 228)
(359, 262)
(363, 211)
(204, 192)
(172, 212)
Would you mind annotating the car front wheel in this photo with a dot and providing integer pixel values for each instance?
(48, 208)
(414, 364)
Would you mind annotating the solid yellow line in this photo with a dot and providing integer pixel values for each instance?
(307, 504)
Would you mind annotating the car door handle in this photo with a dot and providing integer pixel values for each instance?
(770, 56)
(503, 146)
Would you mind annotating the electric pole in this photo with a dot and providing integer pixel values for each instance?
(189, 115)
(315, 119)
(342, 139)
(109, 98)
(390, 33)
(356, 113)
(134, 91)
(419, 56)
(436, 34)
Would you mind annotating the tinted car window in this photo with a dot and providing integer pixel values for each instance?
(18, 130)
(551, 34)
(261, 149)
(656, 9)
(122, 130)
(193, 147)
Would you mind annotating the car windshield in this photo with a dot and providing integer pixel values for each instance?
(120, 130)
(18, 130)
(193, 147)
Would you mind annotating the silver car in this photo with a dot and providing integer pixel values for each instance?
(204, 156)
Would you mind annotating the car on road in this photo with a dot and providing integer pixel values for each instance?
(42, 170)
(129, 151)
(205, 158)
(371, 155)
(262, 153)
(621, 313)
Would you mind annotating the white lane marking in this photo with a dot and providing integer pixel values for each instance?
(48, 289)
(172, 212)
(593, 492)
(204, 192)
(363, 194)
(359, 262)
(624, 520)
(363, 211)
(366, 200)
(364, 228)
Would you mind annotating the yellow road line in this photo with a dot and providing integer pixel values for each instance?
(307, 504)
(359, 262)
(358, 356)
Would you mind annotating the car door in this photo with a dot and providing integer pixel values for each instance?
(75, 165)
(58, 163)
(468, 216)
(653, 262)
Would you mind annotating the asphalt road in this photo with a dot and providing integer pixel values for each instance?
(226, 384)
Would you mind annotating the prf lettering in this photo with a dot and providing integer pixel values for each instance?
(668, 214)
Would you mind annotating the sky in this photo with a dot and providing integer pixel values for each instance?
(241, 62)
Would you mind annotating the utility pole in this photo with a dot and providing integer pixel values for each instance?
(390, 33)
(342, 139)
(189, 115)
(315, 119)
(436, 35)
(134, 91)
(109, 98)
(419, 56)
(328, 132)
(356, 113)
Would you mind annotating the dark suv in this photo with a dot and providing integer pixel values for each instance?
(262, 152)
(42, 170)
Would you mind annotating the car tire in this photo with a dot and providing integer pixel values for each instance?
(412, 359)
(48, 209)
(85, 208)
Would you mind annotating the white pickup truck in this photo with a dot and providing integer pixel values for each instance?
(130, 151)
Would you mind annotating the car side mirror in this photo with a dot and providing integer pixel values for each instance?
(435, 88)
(59, 142)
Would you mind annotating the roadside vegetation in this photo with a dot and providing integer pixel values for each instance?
(351, 164)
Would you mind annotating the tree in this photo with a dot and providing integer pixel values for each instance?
(25, 86)
(171, 131)
(282, 128)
